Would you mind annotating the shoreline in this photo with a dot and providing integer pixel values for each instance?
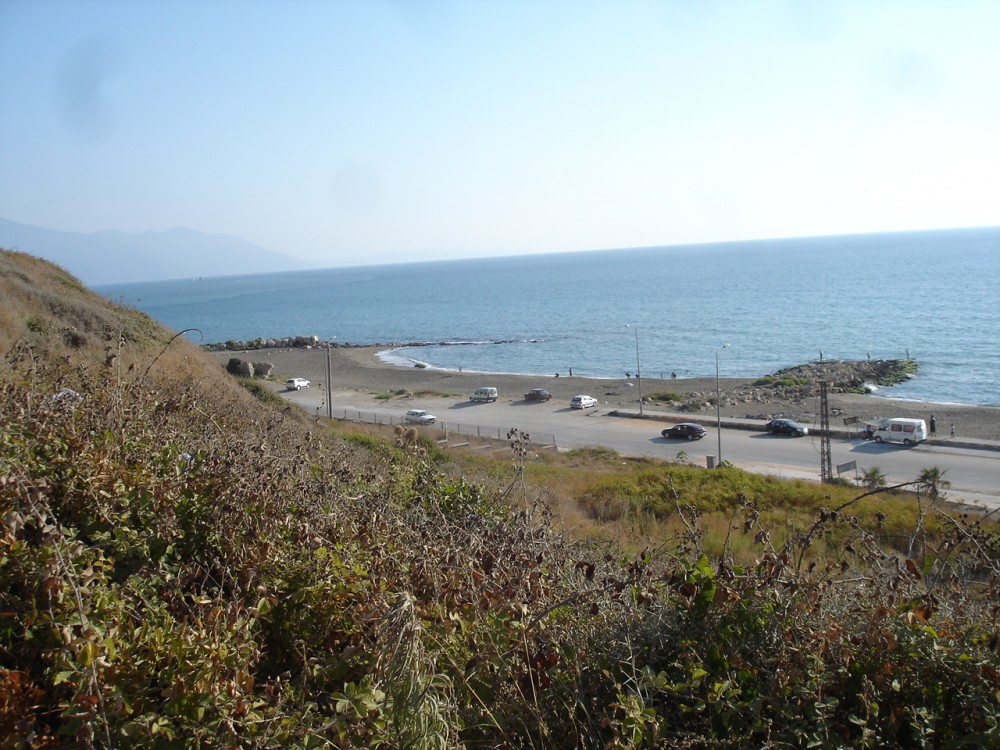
(360, 369)
(406, 362)
(402, 364)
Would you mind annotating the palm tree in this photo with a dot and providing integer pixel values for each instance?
(932, 480)
(873, 478)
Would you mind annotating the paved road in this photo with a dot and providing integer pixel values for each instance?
(974, 474)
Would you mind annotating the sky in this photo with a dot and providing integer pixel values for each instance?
(353, 132)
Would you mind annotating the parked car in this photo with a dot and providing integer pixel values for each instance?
(537, 394)
(296, 384)
(419, 416)
(685, 431)
(582, 402)
(786, 427)
(899, 430)
(484, 395)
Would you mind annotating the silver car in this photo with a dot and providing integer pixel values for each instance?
(419, 416)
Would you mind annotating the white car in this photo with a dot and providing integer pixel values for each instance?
(582, 402)
(296, 384)
(419, 416)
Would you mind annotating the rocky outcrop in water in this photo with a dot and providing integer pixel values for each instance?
(799, 385)
(850, 376)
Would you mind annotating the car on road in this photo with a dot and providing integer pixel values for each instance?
(537, 394)
(419, 416)
(484, 395)
(296, 384)
(899, 430)
(786, 427)
(582, 402)
(685, 431)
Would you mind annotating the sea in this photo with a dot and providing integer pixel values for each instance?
(752, 308)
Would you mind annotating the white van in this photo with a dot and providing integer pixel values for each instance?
(899, 430)
(484, 394)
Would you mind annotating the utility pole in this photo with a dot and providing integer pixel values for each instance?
(638, 376)
(826, 461)
(329, 387)
(718, 402)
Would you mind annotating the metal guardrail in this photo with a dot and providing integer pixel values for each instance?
(448, 428)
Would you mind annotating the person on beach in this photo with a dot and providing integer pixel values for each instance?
(953, 430)
(933, 425)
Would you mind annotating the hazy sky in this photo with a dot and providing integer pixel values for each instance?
(369, 131)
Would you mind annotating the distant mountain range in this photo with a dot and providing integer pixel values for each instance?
(116, 257)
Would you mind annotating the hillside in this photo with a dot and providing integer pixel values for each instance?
(119, 257)
(183, 564)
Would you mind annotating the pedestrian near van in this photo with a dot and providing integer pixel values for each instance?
(933, 425)
(953, 430)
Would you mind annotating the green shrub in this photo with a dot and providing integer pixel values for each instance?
(370, 443)
(36, 325)
(387, 395)
(770, 381)
(669, 396)
(266, 395)
(596, 452)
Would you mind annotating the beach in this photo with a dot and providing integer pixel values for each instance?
(360, 370)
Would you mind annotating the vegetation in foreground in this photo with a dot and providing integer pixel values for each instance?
(182, 566)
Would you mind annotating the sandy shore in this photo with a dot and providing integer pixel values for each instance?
(359, 369)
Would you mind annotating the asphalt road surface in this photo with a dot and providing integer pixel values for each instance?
(974, 474)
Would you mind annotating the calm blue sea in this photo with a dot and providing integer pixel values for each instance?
(931, 295)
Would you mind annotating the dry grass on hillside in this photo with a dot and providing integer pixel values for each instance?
(46, 306)
(48, 310)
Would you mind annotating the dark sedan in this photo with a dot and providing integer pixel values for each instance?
(685, 431)
(537, 394)
(786, 427)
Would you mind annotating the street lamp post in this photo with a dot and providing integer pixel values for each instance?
(718, 402)
(638, 376)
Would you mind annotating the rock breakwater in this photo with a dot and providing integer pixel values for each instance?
(798, 386)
